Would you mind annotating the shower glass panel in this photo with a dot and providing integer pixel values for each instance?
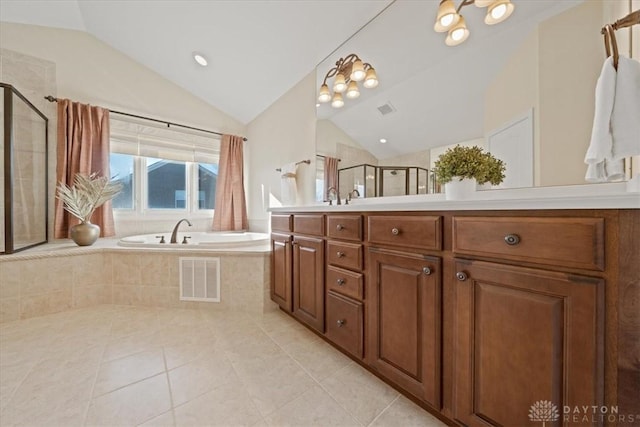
(377, 181)
(24, 173)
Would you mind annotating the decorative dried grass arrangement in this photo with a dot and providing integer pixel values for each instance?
(87, 194)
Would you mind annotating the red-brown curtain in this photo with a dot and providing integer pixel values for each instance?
(231, 208)
(83, 147)
(330, 174)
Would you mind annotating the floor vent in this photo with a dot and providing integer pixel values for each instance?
(200, 279)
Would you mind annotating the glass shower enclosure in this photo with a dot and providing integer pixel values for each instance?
(380, 181)
(24, 195)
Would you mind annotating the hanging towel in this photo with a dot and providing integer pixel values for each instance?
(616, 124)
(288, 187)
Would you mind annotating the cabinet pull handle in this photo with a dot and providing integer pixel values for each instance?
(340, 227)
(341, 323)
(395, 231)
(339, 254)
(426, 270)
(512, 239)
(340, 282)
(461, 276)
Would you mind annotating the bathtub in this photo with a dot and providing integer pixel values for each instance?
(200, 239)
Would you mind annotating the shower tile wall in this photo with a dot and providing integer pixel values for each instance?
(35, 78)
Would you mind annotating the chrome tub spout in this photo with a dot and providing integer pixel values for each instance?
(174, 234)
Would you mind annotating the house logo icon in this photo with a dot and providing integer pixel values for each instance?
(543, 410)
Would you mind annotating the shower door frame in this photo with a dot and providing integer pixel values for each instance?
(9, 91)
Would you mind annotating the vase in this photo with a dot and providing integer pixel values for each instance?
(457, 189)
(85, 233)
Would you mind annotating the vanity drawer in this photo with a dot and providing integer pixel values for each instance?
(345, 282)
(567, 242)
(308, 224)
(281, 222)
(348, 255)
(420, 232)
(345, 323)
(348, 227)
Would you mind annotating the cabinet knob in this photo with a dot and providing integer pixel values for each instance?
(426, 270)
(339, 254)
(395, 231)
(341, 323)
(461, 276)
(340, 282)
(512, 239)
(340, 227)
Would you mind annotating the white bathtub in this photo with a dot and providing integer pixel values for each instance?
(201, 239)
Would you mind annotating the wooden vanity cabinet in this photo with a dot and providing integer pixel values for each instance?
(281, 273)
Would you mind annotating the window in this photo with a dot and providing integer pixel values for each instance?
(163, 170)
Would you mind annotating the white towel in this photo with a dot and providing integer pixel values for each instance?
(288, 186)
(616, 124)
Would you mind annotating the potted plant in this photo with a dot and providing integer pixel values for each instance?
(88, 193)
(462, 168)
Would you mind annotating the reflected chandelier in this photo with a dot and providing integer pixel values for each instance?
(449, 18)
(348, 71)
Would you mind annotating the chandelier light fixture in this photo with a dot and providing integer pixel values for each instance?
(451, 21)
(348, 72)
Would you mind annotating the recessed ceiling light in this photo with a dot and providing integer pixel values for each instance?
(317, 105)
(383, 141)
(200, 59)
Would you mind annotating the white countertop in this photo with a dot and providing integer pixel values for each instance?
(588, 196)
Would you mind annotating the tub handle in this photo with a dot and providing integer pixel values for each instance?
(184, 240)
(161, 239)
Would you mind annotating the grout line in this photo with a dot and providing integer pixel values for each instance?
(166, 372)
(384, 410)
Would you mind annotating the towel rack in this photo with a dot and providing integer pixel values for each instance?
(297, 163)
(610, 43)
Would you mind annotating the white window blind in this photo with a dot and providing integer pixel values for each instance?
(128, 137)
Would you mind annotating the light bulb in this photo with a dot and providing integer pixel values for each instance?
(200, 59)
(337, 101)
(447, 19)
(371, 80)
(447, 16)
(324, 94)
(383, 140)
(457, 34)
(352, 91)
(498, 11)
(339, 84)
(357, 71)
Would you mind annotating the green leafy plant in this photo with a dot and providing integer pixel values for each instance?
(469, 162)
(88, 193)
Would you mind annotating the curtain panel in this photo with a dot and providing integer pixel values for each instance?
(83, 147)
(230, 211)
(330, 175)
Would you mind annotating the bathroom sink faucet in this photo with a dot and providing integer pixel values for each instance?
(334, 191)
(174, 234)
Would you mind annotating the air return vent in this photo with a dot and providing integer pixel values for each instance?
(387, 108)
(200, 279)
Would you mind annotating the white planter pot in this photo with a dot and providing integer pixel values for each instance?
(459, 190)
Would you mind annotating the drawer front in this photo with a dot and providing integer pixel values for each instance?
(347, 227)
(421, 232)
(568, 242)
(345, 323)
(281, 222)
(345, 282)
(308, 224)
(348, 255)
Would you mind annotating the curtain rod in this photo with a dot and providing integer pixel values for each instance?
(297, 163)
(324, 157)
(169, 124)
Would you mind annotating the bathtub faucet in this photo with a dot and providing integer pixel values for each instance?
(174, 234)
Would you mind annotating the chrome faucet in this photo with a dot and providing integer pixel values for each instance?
(334, 191)
(174, 234)
(352, 195)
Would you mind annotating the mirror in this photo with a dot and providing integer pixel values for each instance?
(530, 78)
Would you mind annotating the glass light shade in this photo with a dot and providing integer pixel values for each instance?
(447, 16)
(457, 34)
(498, 12)
(357, 71)
(371, 80)
(352, 90)
(483, 3)
(324, 94)
(339, 84)
(337, 102)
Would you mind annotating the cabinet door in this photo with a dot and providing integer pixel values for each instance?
(524, 336)
(403, 328)
(281, 271)
(308, 281)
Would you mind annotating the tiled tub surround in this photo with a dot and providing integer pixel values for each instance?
(58, 277)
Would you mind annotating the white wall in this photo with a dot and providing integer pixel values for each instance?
(285, 132)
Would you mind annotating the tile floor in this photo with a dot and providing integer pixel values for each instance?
(127, 366)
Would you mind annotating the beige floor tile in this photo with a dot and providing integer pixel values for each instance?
(227, 405)
(360, 393)
(131, 405)
(127, 370)
(405, 413)
(318, 358)
(119, 347)
(313, 408)
(163, 420)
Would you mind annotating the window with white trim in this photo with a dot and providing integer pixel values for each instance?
(163, 171)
